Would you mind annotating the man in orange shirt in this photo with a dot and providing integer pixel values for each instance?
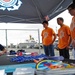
(71, 9)
(63, 38)
(48, 38)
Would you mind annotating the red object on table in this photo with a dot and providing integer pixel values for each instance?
(19, 54)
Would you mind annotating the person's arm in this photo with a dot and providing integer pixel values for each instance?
(3, 50)
(73, 43)
(54, 37)
(69, 41)
(69, 34)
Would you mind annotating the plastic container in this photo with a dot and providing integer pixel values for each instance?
(24, 71)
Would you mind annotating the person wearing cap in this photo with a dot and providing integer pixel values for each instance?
(64, 38)
(48, 38)
(71, 9)
(2, 50)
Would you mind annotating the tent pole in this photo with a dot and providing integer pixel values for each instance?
(6, 39)
(39, 40)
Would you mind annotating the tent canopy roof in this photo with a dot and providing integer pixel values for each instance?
(31, 11)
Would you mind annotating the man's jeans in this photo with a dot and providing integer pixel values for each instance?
(49, 50)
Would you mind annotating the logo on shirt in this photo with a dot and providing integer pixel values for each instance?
(10, 5)
(45, 35)
(61, 34)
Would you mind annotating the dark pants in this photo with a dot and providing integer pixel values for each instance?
(64, 52)
(49, 50)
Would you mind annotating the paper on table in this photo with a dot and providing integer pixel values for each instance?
(2, 72)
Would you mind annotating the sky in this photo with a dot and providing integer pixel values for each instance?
(22, 34)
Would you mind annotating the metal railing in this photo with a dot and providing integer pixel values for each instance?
(11, 37)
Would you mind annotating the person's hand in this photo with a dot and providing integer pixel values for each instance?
(47, 18)
(67, 47)
(1, 53)
(73, 43)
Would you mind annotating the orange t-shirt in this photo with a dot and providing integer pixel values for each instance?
(47, 36)
(72, 28)
(63, 34)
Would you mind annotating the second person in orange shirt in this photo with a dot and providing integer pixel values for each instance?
(64, 38)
